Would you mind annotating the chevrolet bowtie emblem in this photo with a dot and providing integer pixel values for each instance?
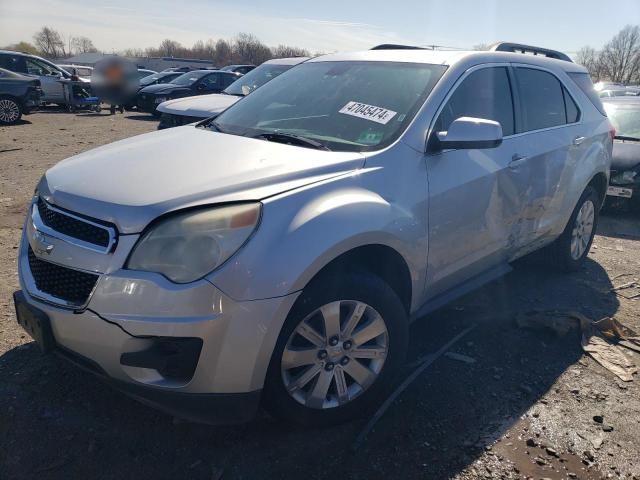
(40, 244)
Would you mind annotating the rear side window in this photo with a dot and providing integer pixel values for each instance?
(485, 93)
(583, 80)
(542, 99)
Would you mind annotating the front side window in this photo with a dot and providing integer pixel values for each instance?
(344, 106)
(485, 93)
(36, 67)
(542, 99)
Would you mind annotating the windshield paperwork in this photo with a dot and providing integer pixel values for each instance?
(189, 78)
(343, 106)
(625, 119)
(255, 78)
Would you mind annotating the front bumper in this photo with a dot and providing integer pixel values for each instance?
(129, 311)
(147, 102)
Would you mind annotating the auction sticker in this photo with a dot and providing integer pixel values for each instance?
(368, 112)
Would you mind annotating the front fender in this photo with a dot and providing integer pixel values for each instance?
(303, 230)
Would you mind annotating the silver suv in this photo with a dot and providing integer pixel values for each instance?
(278, 253)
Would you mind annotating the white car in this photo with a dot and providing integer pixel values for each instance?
(183, 111)
(82, 71)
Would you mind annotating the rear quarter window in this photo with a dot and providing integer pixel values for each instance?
(583, 80)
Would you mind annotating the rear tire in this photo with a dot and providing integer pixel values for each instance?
(347, 373)
(570, 250)
(10, 110)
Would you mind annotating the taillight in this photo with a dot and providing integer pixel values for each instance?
(612, 132)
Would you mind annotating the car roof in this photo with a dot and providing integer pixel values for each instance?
(286, 61)
(448, 58)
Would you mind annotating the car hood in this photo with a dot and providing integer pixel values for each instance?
(626, 155)
(162, 88)
(203, 106)
(133, 181)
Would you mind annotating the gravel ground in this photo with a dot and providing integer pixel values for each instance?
(521, 405)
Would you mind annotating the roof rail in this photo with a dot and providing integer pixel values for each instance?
(391, 46)
(520, 48)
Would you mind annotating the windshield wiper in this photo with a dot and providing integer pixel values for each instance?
(212, 125)
(628, 138)
(292, 139)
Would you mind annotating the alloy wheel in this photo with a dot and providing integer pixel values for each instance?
(334, 354)
(9, 111)
(582, 229)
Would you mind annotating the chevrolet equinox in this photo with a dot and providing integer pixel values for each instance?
(277, 254)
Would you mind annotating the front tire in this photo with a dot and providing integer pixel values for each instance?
(571, 249)
(338, 350)
(10, 110)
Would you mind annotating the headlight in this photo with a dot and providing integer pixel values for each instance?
(188, 246)
(624, 177)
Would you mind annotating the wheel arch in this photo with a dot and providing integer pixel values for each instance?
(378, 259)
(600, 182)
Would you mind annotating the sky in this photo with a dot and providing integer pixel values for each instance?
(323, 25)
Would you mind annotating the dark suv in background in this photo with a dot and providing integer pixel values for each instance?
(198, 82)
(18, 95)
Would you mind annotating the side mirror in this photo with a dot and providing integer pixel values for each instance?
(470, 133)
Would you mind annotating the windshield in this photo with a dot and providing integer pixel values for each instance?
(255, 78)
(625, 119)
(348, 106)
(189, 78)
(164, 77)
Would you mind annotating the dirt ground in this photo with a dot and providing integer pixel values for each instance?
(522, 405)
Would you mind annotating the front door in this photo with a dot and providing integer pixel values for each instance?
(474, 203)
(52, 89)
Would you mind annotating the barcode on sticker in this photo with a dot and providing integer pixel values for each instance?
(368, 112)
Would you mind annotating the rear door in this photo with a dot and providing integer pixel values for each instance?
(473, 202)
(549, 146)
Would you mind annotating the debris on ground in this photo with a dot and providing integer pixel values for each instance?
(459, 357)
(601, 339)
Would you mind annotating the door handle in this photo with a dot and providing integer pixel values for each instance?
(578, 140)
(517, 160)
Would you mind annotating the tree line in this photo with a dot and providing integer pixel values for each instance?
(617, 61)
(245, 48)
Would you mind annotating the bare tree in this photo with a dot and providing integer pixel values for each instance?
(82, 45)
(248, 49)
(223, 53)
(169, 48)
(49, 43)
(285, 51)
(620, 58)
(591, 59)
(133, 52)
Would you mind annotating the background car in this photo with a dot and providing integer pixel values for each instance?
(153, 79)
(619, 92)
(624, 181)
(145, 72)
(81, 71)
(198, 82)
(18, 95)
(191, 109)
(238, 68)
(48, 73)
